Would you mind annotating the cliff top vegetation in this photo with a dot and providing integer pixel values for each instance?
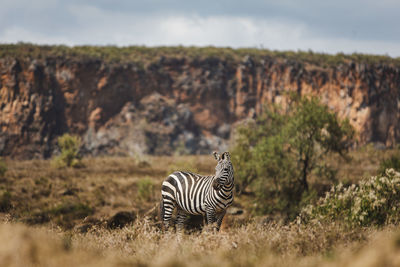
(145, 55)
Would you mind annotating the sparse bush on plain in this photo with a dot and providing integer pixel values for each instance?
(371, 202)
(76, 210)
(5, 201)
(145, 189)
(69, 157)
(3, 167)
(391, 163)
(65, 213)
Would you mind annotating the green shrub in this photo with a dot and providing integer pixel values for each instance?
(74, 210)
(66, 213)
(3, 168)
(375, 201)
(5, 201)
(392, 163)
(145, 189)
(69, 157)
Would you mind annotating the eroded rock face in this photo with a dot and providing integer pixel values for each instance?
(184, 105)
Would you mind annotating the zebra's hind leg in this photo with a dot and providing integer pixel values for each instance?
(166, 209)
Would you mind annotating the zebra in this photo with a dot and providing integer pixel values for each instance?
(195, 194)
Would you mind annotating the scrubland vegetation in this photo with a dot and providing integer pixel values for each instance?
(60, 217)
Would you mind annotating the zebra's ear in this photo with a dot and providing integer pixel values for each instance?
(216, 155)
(226, 156)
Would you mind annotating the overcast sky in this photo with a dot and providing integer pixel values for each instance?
(369, 26)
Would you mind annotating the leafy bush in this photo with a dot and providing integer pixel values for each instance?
(375, 201)
(145, 189)
(3, 167)
(65, 213)
(69, 157)
(276, 153)
(74, 210)
(391, 163)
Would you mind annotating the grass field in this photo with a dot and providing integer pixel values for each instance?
(61, 217)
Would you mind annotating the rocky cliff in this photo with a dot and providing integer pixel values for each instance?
(177, 102)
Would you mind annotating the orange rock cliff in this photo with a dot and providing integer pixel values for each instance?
(177, 103)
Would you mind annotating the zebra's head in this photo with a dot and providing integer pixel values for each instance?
(223, 170)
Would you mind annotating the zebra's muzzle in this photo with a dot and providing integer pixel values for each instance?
(216, 185)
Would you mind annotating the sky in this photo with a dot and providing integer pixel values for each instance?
(348, 26)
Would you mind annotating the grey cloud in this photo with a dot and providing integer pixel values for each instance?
(358, 19)
(349, 26)
(48, 17)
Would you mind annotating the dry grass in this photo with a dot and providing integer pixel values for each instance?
(254, 244)
(41, 193)
(251, 245)
(57, 204)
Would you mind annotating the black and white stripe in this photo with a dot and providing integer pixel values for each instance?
(195, 194)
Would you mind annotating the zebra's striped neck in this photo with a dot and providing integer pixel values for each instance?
(227, 187)
(227, 190)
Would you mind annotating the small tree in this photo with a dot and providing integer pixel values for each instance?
(69, 146)
(313, 132)
(278, 151)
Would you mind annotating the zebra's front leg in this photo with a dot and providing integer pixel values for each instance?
(180, 221)
(211, 217)
(220, 217)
